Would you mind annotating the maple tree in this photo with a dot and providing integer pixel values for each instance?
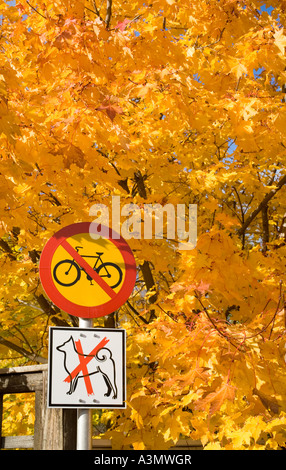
(168, 102)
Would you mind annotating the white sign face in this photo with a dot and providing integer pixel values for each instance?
(87, 368)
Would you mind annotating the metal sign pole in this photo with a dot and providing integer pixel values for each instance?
(84, 424)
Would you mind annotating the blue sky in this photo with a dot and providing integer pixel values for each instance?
(264, 8)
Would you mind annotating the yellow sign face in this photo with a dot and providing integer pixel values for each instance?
(74, 283)
(85, 275)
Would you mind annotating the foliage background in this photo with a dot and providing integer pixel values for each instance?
(169, 102)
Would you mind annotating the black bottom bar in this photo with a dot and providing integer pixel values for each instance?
(193, 459)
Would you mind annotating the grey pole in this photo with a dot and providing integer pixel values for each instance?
(84, 424)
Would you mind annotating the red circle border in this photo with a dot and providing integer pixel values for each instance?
(66, 305)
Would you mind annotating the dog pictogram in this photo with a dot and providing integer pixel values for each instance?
(99, 360)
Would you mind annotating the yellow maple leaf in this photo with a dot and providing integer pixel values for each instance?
(138, 445)
(280, 40)
(237, 67)
(213, 446)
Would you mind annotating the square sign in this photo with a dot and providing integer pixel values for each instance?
(87, 368)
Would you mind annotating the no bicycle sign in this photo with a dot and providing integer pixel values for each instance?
(86, 276)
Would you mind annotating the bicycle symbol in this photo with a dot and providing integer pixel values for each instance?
(67, 272)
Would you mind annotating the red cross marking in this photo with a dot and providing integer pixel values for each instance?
(84, 369)
(83, 361)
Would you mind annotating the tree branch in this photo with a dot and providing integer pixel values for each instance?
(48, 308)
(263, 204)
(108, 13)
(149, 280)
(95, 11)
(6, 248)
(265, 228)
(221, 333)
(139, 187)
(136, 313)
(23, 352)
(33, 8)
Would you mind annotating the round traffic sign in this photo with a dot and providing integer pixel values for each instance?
(84, 276)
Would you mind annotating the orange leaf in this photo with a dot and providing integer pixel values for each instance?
(110, 110)
(216, 399)
(190, 377)
(122, 25)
